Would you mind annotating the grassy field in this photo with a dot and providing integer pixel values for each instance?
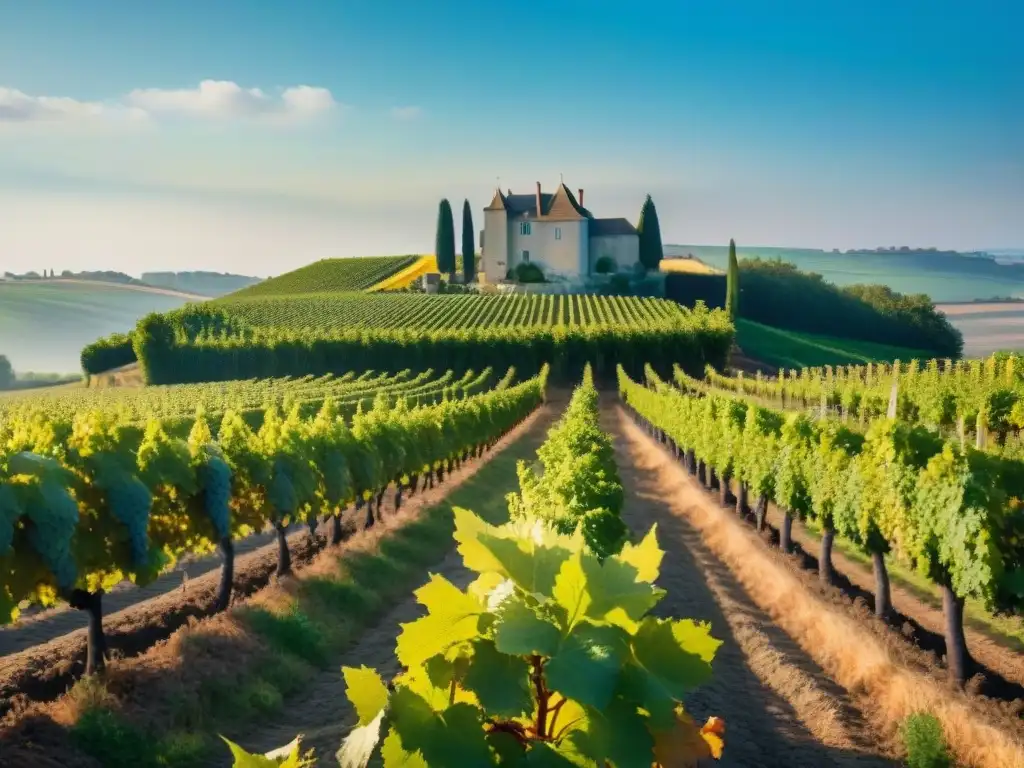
(43, 326)
(789, 349)
(689, 266)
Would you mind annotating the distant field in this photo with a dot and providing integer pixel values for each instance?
(689, 266)
(44, 325)
(789, 349)
(942, 277)
(329, 276)
(987, 327)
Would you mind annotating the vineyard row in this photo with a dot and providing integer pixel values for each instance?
(82, 513)
(950, 512)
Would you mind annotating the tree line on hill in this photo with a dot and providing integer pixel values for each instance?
(776, 293)
(213, 284)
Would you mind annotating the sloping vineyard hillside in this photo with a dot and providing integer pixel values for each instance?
(351, 274)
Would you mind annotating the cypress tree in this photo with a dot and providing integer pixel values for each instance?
(444, 245)
(651, 251)
(468, 244)
(732, 284)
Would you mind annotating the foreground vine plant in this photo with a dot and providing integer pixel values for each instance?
(547, 658)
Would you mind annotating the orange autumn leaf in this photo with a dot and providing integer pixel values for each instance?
(686, 744)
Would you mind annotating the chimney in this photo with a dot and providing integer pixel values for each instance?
(581, 197)
(540, 210)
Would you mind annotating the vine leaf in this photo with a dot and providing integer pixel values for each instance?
(684, 745)
(618, 734)
(522, 631)
(453, 616)
(366, 691)
(645, 557)
(587, 666)
(669, 659)
(358, 746)
(500, 682)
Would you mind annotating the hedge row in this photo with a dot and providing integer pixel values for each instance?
(107, 353)
(181, 348)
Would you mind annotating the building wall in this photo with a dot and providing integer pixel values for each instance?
(495, 249)
(625, 249)
(557, 247)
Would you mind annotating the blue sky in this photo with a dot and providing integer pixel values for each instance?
(777, 123)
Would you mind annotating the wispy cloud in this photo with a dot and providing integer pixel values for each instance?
(19, 107)
(210, 100)
(406, 113)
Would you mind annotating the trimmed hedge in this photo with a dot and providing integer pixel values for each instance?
(203, 344)
(108, 353)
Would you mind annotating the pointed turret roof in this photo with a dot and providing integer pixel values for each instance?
(498, 202)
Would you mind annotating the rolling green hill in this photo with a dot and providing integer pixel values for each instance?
(44, 325)
(790, 349)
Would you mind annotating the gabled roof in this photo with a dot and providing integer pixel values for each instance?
(609, 227)
(560, 205)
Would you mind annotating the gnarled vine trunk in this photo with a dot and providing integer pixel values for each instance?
(742, 508)
(702, 473)
(957, 658)
(337, 531)
(760, 512)
(96, 643)
(883, 600)
(825, 559)
(786, 532)
(284, 557)
(723, 490)
(227, 574)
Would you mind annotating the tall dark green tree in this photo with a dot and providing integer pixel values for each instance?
(468, 244)
(732, 284)
(444, 245)
(6, 373)
(651, 251)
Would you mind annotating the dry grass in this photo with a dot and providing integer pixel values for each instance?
(689, 266)
(851, 655)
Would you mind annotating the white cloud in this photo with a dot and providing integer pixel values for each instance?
(406, 113)
(19, 107)
(212, 99)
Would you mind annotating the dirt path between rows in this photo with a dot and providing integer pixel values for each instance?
(780, 708)
(999, 658)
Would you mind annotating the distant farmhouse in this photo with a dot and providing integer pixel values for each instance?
(553, 231)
